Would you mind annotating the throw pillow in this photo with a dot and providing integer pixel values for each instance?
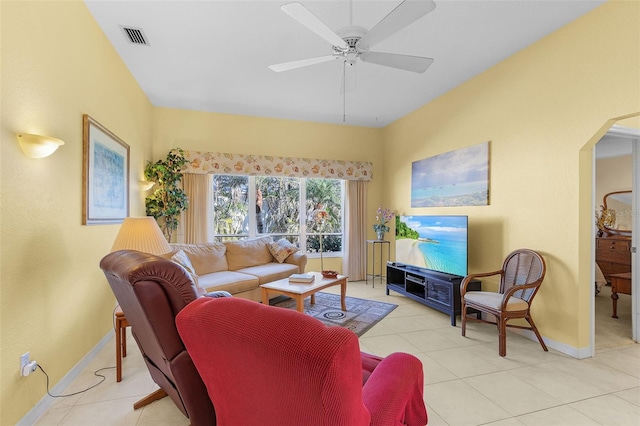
(281, 249)
(183, 260)
(248, 252)
(206, 257)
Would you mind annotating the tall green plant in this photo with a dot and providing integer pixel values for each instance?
(168, 199)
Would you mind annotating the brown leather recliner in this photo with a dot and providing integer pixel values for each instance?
(151, 290)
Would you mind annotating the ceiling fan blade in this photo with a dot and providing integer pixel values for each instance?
(404, 14)
(348, 80)
(286, 66)
(394, 60)
(309, 20)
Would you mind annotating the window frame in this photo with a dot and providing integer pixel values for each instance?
(302, 235)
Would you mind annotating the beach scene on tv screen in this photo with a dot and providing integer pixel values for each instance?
(438, 243)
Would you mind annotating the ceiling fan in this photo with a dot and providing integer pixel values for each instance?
(353, 42)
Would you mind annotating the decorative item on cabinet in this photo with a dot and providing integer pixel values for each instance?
(614, 218)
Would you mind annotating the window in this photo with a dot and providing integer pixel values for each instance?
(282, 207)
(230, 205)
(326, 195)
(280, 212)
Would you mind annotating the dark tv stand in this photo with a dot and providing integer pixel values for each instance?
(437, 290)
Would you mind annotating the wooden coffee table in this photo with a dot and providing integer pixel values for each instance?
(300, 291)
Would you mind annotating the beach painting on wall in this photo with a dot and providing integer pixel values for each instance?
(455, 178)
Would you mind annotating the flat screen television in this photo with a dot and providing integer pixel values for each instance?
(437, 243)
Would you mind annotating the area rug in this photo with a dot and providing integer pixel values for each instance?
(361, 314)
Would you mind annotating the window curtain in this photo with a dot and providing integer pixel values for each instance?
(353, 261)
(198, 218)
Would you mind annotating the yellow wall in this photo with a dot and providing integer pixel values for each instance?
(539, 108)
(633, 122)
(54, 301)
(203, 131)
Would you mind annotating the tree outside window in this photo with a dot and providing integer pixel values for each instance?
(283, 208)
(324, 194)
(280, 212)
(230, 205)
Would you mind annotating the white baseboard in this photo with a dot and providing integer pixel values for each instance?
(579, 353)
(47, 401)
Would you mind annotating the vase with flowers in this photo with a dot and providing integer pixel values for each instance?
(383, 216)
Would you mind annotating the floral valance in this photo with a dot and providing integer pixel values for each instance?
(263, 165)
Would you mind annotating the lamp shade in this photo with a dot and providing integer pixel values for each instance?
(36, 146)
(142, 234)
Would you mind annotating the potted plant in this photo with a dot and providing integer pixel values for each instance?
(168, 199)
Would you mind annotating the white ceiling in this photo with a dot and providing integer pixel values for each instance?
(617, 142)
(213, 55)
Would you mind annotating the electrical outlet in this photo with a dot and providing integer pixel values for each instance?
(30, 368)
(24, 360)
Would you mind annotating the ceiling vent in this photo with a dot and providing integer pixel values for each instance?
(135, 35)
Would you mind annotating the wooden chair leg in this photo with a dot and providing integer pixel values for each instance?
(502, 332)
(463, 318)
(123, 341)
(118, 353)
(535, 330)
(159, 394)
(121, 325)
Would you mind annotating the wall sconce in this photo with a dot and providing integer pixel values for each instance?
(145, 185)
(36, 146)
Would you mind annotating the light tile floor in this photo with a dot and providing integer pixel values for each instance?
(466, 382)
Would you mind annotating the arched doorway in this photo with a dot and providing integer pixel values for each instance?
(587, 223)
(614, 172)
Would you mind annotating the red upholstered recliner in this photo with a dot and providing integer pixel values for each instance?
(151, 290)
(264, 365)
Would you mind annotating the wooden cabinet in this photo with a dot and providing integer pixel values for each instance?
(613, 255)
(435, 289)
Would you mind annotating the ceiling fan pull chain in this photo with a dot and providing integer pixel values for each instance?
(344, 92)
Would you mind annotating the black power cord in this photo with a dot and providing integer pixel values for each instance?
(79, 392)
(95, 373)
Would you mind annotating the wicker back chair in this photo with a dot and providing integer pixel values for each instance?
(520, 278)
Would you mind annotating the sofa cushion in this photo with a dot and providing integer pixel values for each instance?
(231, 281)
(281, 249)
(205, 258)
(271, 271)
(249, 252)
(183, 260)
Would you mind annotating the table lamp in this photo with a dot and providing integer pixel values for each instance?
(141, 234)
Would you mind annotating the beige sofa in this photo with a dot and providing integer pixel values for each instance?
(239, 267)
